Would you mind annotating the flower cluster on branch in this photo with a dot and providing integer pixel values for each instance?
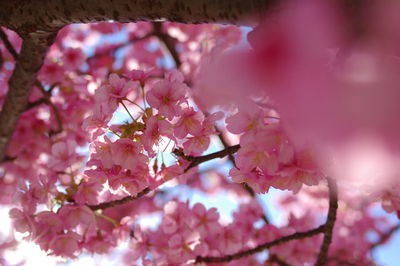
(96, 137)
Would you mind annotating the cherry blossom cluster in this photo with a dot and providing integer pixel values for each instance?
(78, 179)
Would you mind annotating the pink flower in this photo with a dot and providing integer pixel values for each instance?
(51, 73)
(189, 123)
(133, 182)
(126, 153)
(99, 244)
(116, 89)
(76, 215)
(103, 153)
(196, 145)
(139, 75)
(259, 182)
(63, 155)
(249, 119)
(49, 222)
(66, 245)
(87, 192)
(73, 58)
(179, 248)
(255, 155)
(97, 122)
(155, 128)
(302, 171)
(166, 95)
(230, 240)
(22, 222)
(205, 221)
(139, 244)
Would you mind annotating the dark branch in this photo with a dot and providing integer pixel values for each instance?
(43, 15)
(57, 116)
(46, 99)
(246, 187)
(325, 228)
(8, 44)
(34, 49)
(275, 258)
(168, 42)
(36, 103)
(249, 252)
(330, 222)
(196, 160)
(385, 237)
(124, 200)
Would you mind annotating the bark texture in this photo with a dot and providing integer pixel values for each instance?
(29, 61)
(37, 21)
(32, 15)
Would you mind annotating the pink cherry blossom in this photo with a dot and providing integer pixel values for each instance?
(65, 245)
(189, 123)
(87, 192)
(155, 129)
(111, 149)
(51, 73)
(76, 215)
(73, 58)
(206, 222)
(126, 153)
(63, 155)
(166, 96)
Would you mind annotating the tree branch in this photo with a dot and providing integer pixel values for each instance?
(124, 200)
(325, 228)
(385, 237)
(330, 222)
(8, 44)
(32, 15)
(275, 258)
(34, 49)
(249, 252)
(46, 99)
(246, 187)
(168, 42)
(196, 160)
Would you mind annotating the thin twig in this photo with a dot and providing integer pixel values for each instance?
(58, 120)
(262, 247)
(385, 237)
(330, 222)
(193, 159)
(246, 187)
(275, 258)
(169, 43)
(115, 203)
(196, 160)
(325, 228)
(31, 58)
(36, 103)
(8, 44)
(46, 99)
